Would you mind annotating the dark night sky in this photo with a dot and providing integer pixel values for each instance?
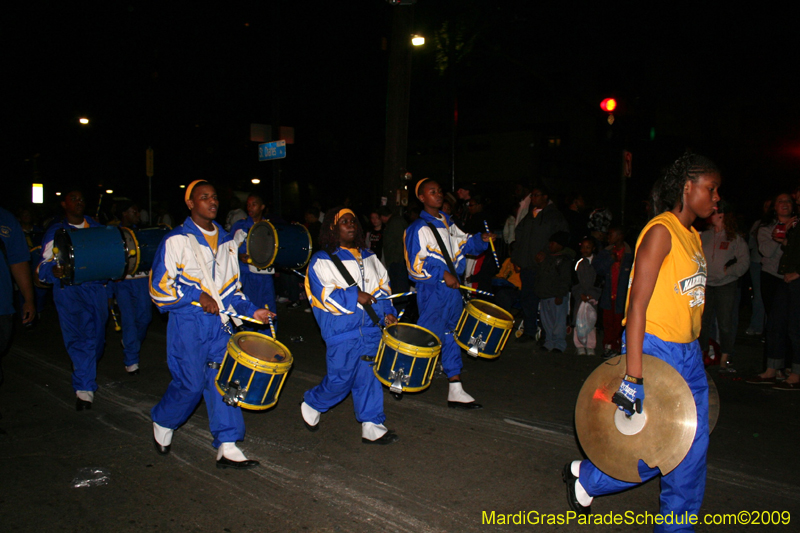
(189, 80)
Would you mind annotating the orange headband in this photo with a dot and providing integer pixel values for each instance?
(420, 182)
(188, 194)
(340, 214)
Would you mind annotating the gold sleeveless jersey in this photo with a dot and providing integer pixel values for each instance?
(675, 311)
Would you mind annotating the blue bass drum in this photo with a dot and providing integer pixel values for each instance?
(253, 370)
(145, 243)
(278, 245)
(483, 329)
(90, 254)
(406, 358)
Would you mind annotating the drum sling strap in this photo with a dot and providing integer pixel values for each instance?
(351, 282)
(198, 256)
(445, 253)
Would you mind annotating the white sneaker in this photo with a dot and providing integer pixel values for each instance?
(581, 350)
(589, 351)
(282, 299)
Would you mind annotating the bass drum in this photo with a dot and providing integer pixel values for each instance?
(278, 245)
(91, 254)
(144, 243)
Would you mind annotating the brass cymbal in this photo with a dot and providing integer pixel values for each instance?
(660, 436)
(713, 403)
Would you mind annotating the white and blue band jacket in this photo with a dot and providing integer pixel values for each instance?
(176, 279)
(335, 303)
(424, 259)
(45, 269)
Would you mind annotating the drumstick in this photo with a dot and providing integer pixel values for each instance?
(400, 315)
(298, 273)
(398, 295)
(491, 243)
(269, 319)
(234, 315)
(476, 290)
(117, 327)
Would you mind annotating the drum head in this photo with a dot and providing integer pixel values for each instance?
(62, 249)
(261, 244)
(261, 347)
(415, 336)
(131, 251)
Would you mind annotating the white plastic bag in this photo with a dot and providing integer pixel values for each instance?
(585, 320)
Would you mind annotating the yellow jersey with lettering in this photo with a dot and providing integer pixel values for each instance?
(675, 311)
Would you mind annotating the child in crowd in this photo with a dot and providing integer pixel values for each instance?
(586, 291)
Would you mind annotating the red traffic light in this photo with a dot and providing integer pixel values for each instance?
(608, 105)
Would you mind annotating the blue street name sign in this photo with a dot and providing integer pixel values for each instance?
(273, 150)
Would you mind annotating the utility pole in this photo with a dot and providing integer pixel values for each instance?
(397, 99)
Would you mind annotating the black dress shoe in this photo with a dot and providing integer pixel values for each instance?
(83, 405)
(224, 462)
(572, 500)
(465, 406)
(162, 450)
(387, 438)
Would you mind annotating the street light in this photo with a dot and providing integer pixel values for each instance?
(83, 120)
(417, 40)
(109, 191)
(255, 181)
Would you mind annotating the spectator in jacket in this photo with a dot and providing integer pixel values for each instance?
(727, 259)
(533, 233)
(553, 270)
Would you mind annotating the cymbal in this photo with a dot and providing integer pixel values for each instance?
(713, 403)
(660, 436)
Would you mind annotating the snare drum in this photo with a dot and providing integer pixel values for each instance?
(91, 254)
(483, 329)
(253, 371)
(279, 245)
(407, 358)
(145, 243)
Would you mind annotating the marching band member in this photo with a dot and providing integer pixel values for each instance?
(133, 298)
(82, 309)
(663, 319)
(196, 339)
(257, 283)
(341, 305)
(438, 295)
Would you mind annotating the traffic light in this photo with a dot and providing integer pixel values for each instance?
(609, 105)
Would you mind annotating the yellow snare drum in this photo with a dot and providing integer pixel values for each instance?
(483, 329)
(253, 371)
(406, 358)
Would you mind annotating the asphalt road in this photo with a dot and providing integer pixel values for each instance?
(448, 473)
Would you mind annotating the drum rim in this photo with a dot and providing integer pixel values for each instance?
(254, 363)
(275, 247)
(138, 255)
(58, 251)
(421, 351)
(310, 245)
(489, 319)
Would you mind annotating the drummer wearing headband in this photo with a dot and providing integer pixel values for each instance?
(82, 309)
(339, 307)
(438, 295)
(257, 283)
(663, 319)
(197, 337)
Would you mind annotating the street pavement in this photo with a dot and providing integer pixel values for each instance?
(449, 471)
